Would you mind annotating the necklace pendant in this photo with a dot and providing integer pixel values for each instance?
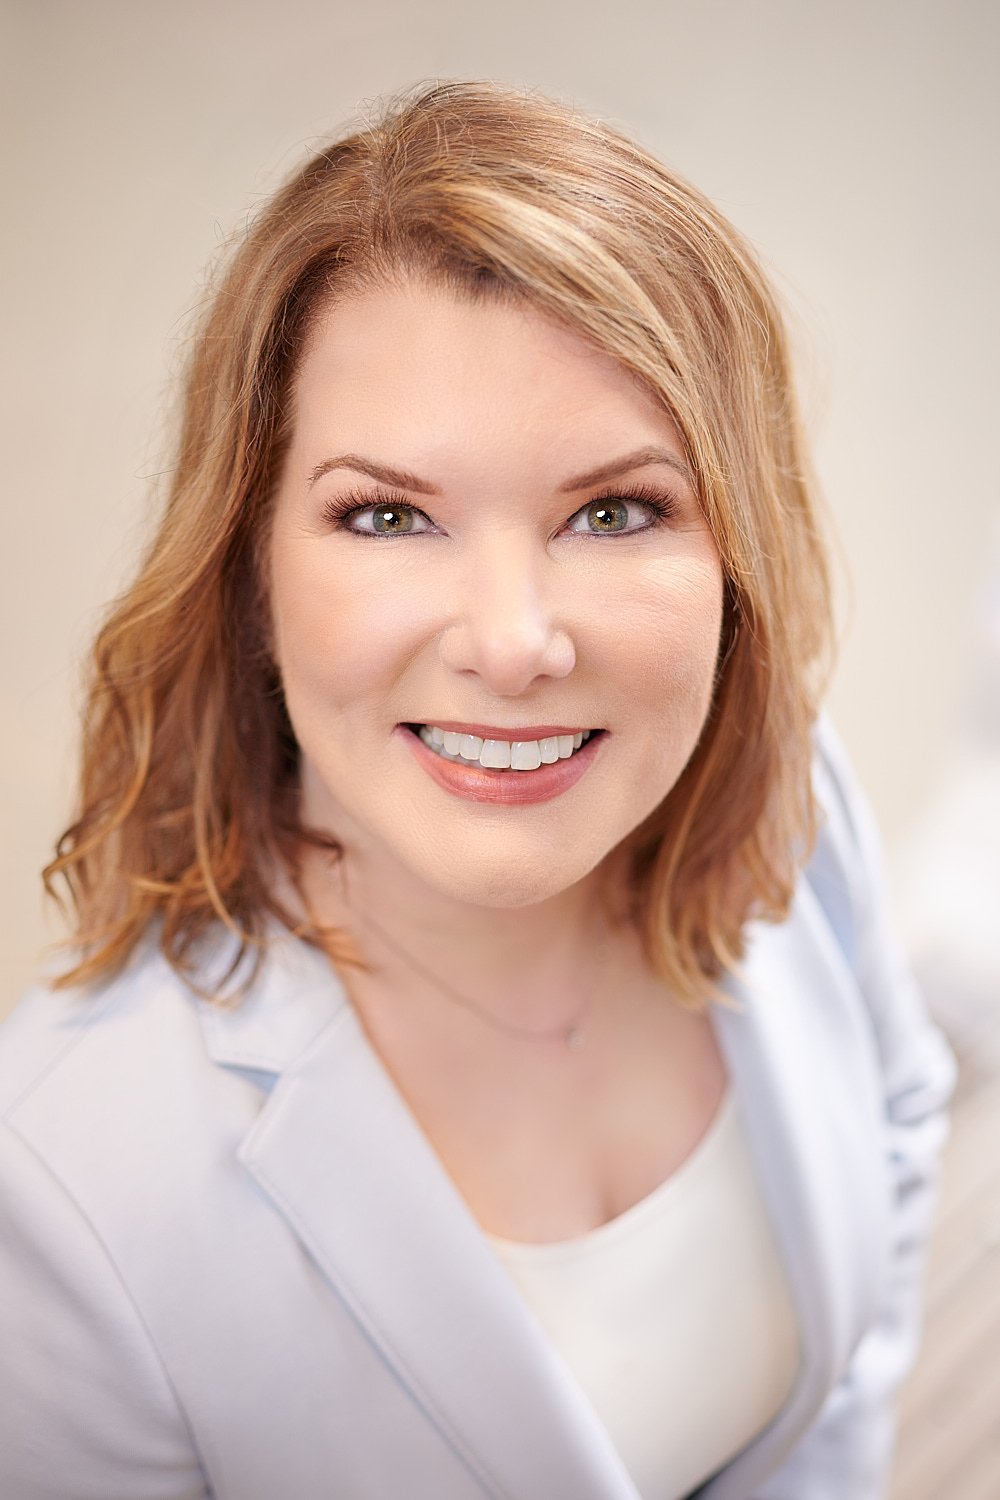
(574, 1038)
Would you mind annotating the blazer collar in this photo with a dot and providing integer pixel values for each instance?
(293, 998)
(341, 1157)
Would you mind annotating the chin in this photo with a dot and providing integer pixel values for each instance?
(504, 886)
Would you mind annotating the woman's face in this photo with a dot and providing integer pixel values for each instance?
(496, 574)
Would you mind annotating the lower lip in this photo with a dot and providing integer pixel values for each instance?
(511, 788)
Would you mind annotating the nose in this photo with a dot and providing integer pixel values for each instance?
(506, 624)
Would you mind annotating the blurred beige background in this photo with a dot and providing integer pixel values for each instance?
(855, 143)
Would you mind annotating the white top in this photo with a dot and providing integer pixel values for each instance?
(674, 1317)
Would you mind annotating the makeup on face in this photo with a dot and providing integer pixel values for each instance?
(496, 602)
(511, 772)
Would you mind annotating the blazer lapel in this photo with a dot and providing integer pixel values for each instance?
(799, 1024)
(337, 1151)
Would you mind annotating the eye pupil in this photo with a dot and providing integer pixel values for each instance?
(613, 511)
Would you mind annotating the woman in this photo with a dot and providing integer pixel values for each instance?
(484, 1068)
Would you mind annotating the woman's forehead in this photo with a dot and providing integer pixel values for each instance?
(417, 353)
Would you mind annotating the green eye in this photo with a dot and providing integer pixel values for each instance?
(391, 520)
(626, 512)
(609, 515)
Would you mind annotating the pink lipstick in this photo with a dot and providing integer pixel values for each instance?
(508, 788)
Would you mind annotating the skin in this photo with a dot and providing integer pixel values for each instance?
(505, 606)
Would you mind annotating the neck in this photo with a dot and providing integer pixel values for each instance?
(533, 966)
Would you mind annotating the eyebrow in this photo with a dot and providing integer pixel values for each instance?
(403, 479)
(384, 473)
(624, 465)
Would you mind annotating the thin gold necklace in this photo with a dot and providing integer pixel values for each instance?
(570, 1033)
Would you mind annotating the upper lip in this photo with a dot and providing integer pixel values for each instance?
(501, 732)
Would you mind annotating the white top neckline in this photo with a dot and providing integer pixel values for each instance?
(630, 1220)
(674, 1318)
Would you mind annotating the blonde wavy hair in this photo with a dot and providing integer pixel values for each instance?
(187, 805)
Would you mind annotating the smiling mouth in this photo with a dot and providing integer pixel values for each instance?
(502, 754)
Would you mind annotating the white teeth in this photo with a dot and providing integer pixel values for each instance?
(496, 753)
(525, 755)
(502, 755)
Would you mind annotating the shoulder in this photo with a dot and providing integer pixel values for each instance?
(123, 1200)
(52, 1032)
(848, 819)
(846, 870)
(118, 1184)
(846, 857)
(846, 875)
(104, 1091)
(141, 1065)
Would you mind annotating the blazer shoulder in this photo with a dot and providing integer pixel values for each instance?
(144, 1047)
(847, 874)
(51, 1028)
(846, 860)
(836, 784)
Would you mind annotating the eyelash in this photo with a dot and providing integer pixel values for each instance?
(355, 502)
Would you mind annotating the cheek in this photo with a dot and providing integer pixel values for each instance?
(675, 629)
(333, 632)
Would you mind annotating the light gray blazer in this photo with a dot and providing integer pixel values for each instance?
(232, 1265)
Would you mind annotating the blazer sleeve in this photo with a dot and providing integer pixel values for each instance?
(86, 1408)
(846, 1454)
